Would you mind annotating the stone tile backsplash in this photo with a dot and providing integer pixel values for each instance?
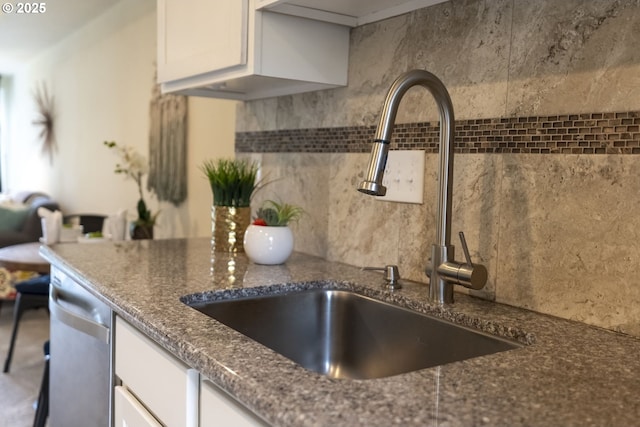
(557, 232)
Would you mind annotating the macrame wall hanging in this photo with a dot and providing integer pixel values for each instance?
(168, 147)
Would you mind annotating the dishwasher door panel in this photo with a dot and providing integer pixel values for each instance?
(80, 379)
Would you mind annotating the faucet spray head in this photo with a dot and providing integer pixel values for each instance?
(372, 185)
(372, 189)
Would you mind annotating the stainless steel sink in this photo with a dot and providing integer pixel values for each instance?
(346, 335)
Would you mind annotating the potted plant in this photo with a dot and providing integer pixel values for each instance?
(268, 239)
(233, 182)
(135, 166)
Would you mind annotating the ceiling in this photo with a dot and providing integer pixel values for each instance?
(23, 36)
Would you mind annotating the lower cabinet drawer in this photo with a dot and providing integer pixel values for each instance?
(163, 384)
(128, 412)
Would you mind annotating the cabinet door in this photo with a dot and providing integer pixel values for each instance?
(128, 412)
(198, 36)
(218, 409)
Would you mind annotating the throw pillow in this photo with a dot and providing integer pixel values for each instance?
(12, 218)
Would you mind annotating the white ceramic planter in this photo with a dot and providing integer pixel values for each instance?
(268, 245)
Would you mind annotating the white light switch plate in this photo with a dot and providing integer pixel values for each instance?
(404, 176)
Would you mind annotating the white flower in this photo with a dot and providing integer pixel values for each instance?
(133, 164)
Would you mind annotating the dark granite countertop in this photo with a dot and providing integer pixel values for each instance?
(568, 374)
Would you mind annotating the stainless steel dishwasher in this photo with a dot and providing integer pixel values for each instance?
(80, 376)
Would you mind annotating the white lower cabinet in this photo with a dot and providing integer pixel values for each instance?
(163, 384)
(159, 390)
(218, 409)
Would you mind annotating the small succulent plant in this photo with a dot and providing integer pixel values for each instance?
(276, 214)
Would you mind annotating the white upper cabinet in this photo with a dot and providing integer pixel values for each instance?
(198, 36)
(230, 49)
(250, 49)
(345, 12)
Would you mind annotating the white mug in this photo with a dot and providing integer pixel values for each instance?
(117, 227)
(51, 229)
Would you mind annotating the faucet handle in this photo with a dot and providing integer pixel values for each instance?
(470, 275)
(391, 275)
(465, 248)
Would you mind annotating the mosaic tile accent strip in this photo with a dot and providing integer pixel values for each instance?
(591, 133)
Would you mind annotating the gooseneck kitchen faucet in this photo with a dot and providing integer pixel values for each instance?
(442, 269)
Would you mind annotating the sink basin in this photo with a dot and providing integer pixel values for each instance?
(343, 334)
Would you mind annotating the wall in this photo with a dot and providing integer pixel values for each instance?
(555, 226)
(6, 87)
(101, 78)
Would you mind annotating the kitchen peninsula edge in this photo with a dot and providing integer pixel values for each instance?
(567, 373)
